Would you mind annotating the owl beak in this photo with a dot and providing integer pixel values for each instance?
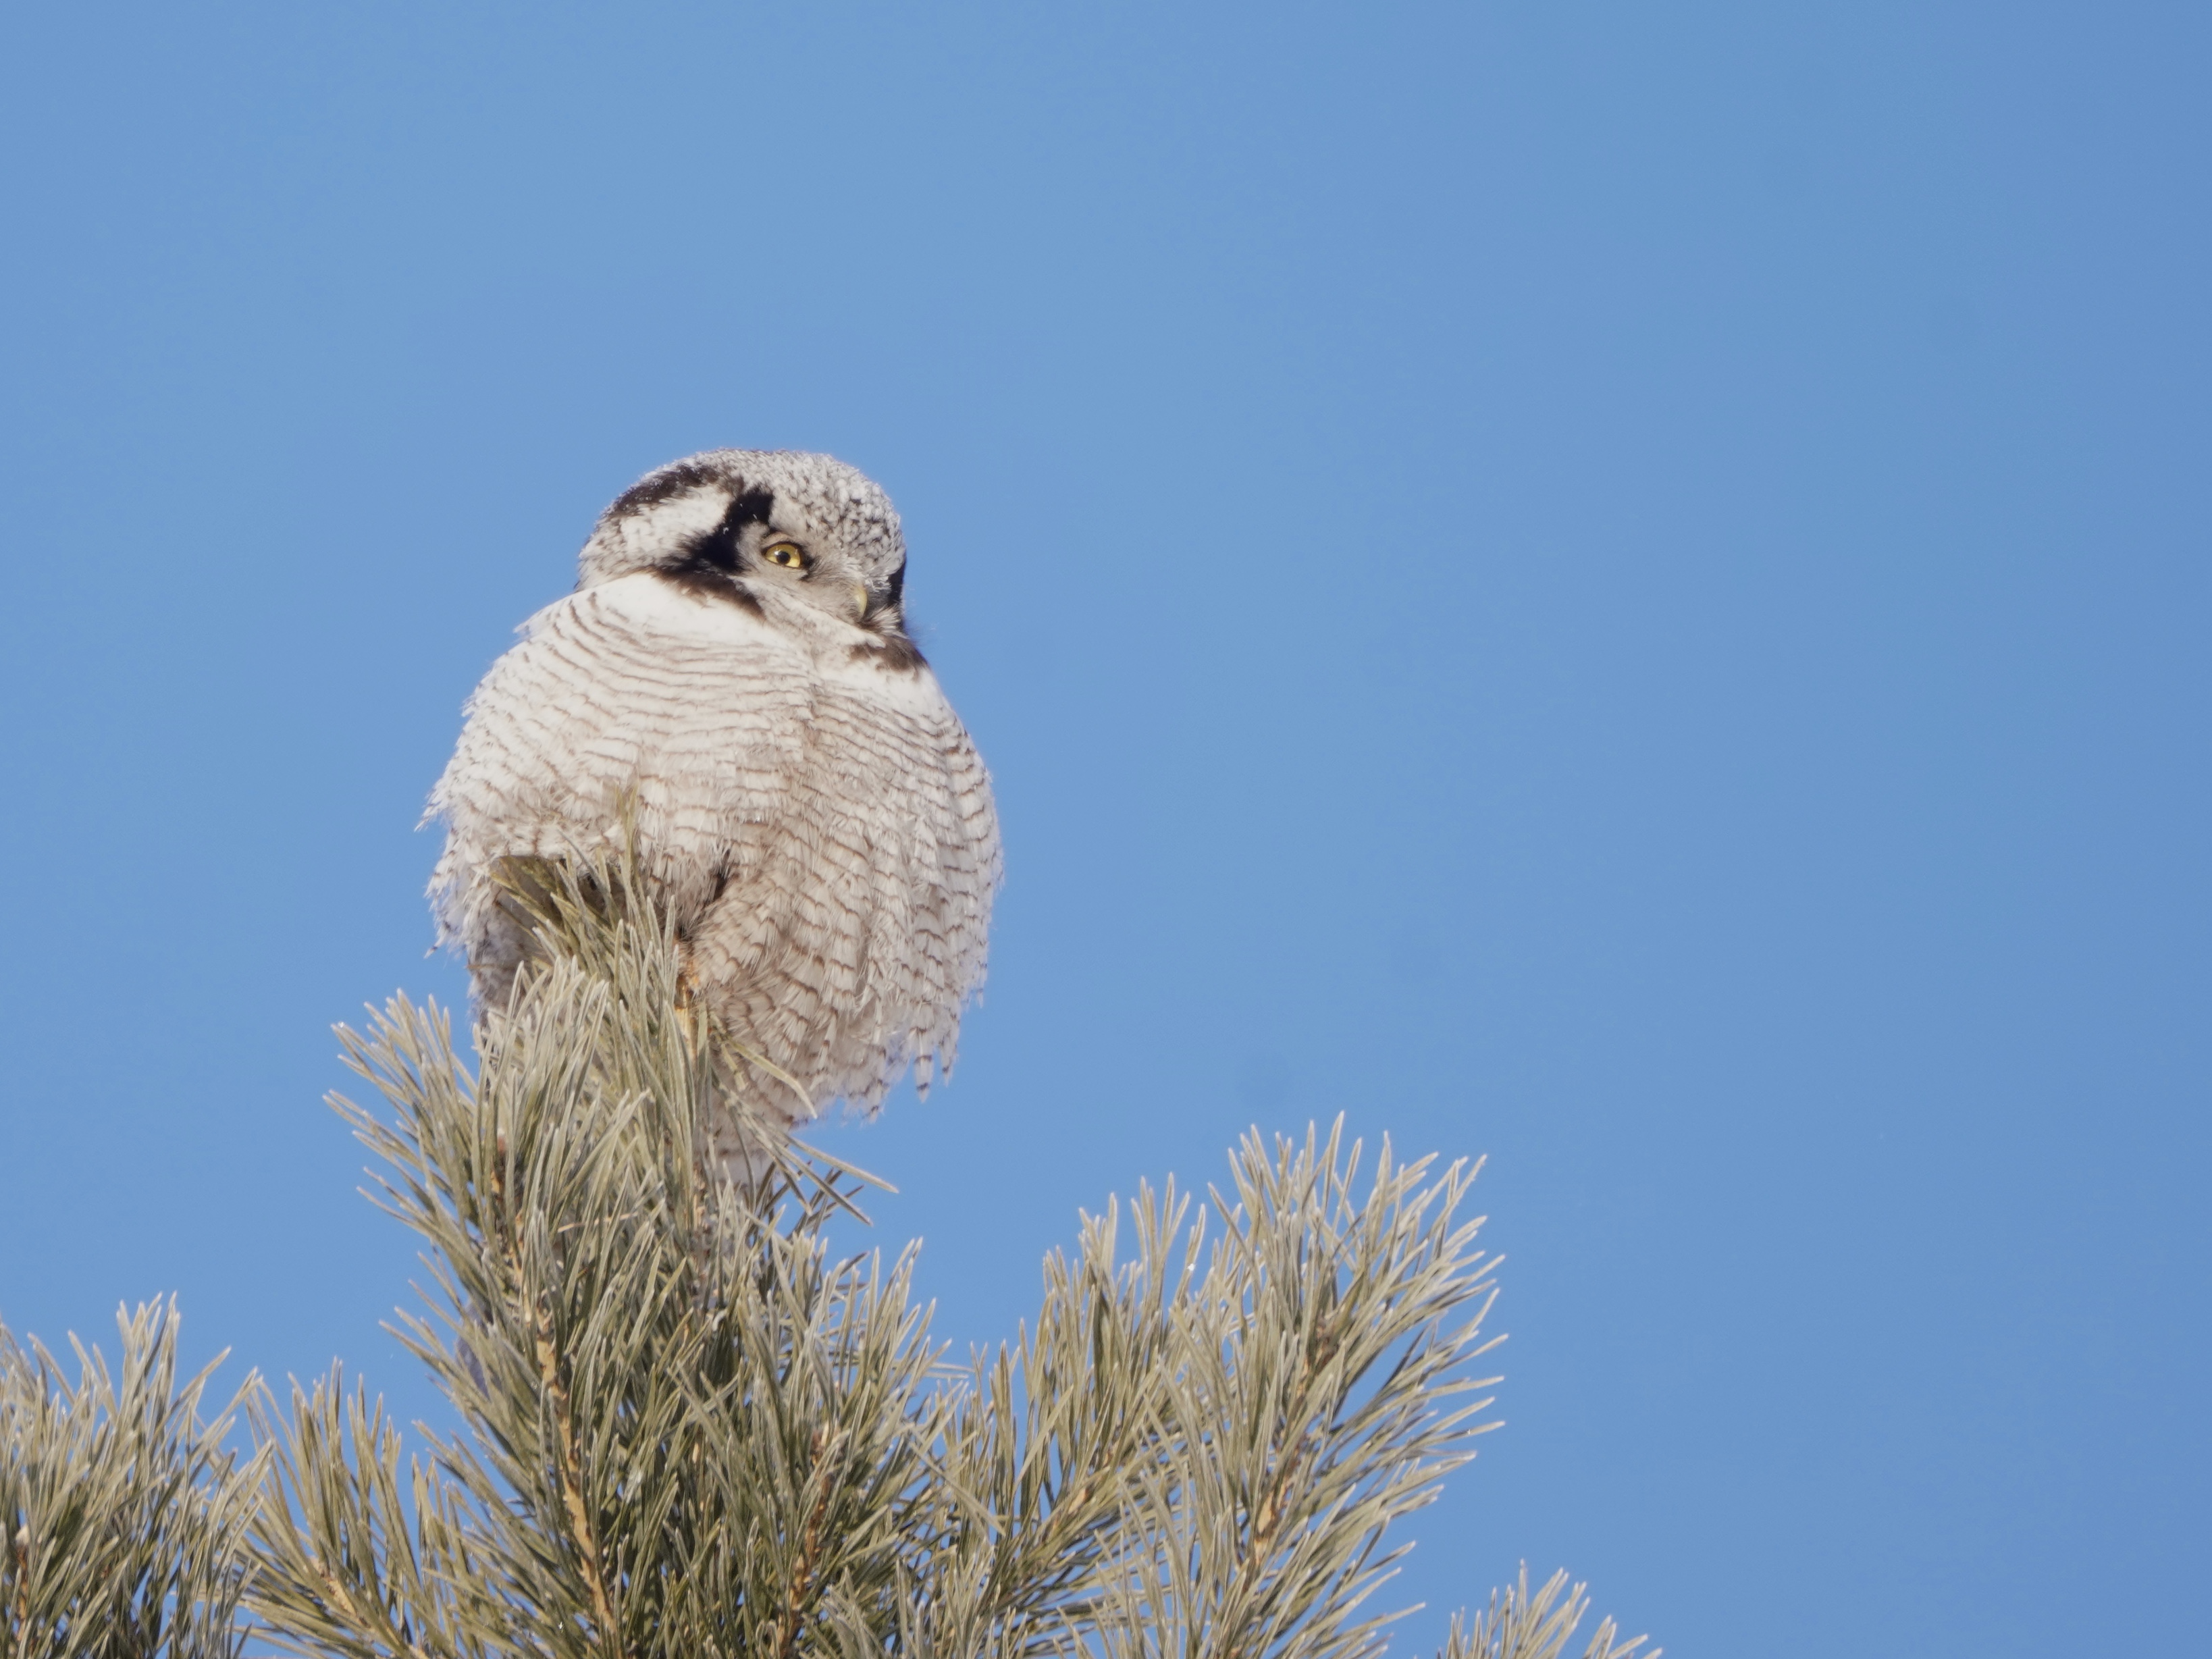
(860, 600)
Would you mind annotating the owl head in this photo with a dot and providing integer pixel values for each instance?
(772, 528)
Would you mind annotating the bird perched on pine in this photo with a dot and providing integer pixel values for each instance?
(731, 698)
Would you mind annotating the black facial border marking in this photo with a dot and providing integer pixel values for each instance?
(895, 589)
(708, 562)
(718, 548)
(662, 486)
(898, 654)
(710, 585)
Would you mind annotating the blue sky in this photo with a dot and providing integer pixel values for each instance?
(1622, 588)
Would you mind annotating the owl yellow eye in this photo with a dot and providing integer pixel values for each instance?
(790, 554)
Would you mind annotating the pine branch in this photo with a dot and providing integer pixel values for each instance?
(687, 1430)
(122, 1512)
(1520, 1624)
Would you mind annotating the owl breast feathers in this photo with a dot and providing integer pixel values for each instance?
(732, 680)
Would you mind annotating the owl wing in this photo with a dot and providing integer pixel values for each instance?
(847, 946)
(634, 695)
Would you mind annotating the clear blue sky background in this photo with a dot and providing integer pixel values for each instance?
(1620, 587)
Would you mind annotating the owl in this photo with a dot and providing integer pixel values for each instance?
(731, 693)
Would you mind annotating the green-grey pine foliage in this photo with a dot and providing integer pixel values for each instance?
(690, 1427)
(122, 1516)
(1524, 1624)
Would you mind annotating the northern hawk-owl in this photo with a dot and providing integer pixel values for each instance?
(732, 684)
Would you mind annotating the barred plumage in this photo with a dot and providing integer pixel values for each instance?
(733, 674)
